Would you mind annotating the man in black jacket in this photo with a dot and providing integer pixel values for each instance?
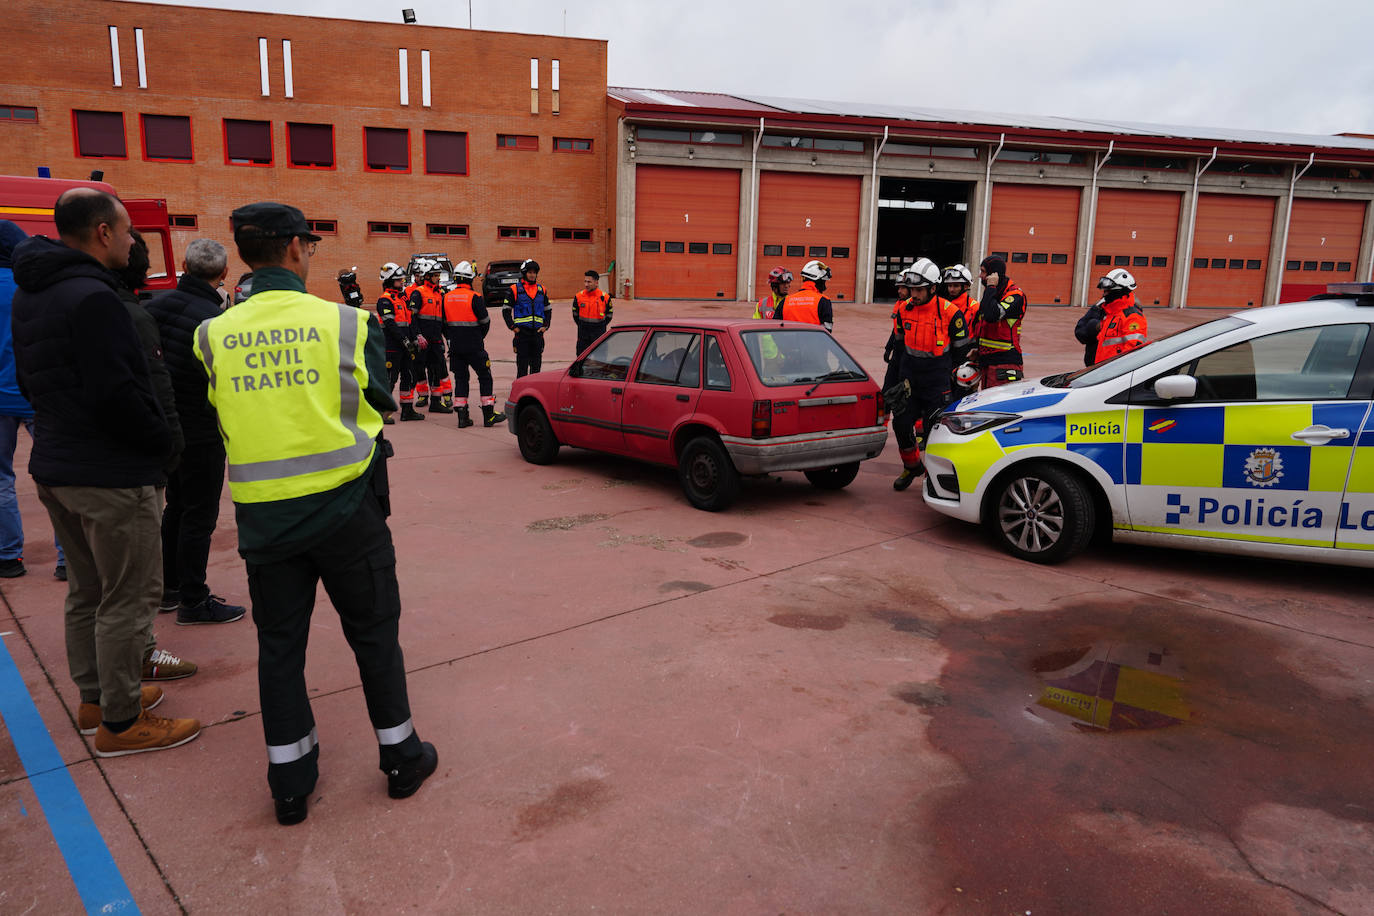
(100, 444)
(194, 488)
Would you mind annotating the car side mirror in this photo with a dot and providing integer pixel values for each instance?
(1176, 387)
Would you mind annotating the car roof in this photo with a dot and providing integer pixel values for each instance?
(502, 264)
(1312, 312)
(720, 324)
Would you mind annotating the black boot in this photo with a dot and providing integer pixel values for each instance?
(464, 420)
(408, 412)
(490, 417)
(388, 419)
(436, 405)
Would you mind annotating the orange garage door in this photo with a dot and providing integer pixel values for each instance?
(1323, 245)
(1230, 251)
(1036, 229)
(804, 217)
(686, 224)
(1137, 230)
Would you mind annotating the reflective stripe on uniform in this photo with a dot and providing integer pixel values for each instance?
(396, 734)
(290, 753)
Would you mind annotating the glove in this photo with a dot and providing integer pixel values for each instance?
(889, 351)
(411, 348)
(421, 342)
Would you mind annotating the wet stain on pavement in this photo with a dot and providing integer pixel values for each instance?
(718, 539)
(684, 585)
(813, 502)
(809, 621)
(570, 802)
(1047, 818)
(566, 522)
(570, 484)
(907, 623)
(1112, 687)
(921, 694)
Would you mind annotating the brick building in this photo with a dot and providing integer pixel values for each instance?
(392, 138)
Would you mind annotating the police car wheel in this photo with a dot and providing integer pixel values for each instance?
(1042, 514)
(833, 478)
(538, 445)
(708, 476)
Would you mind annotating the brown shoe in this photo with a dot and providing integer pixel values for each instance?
(88, 714)
(164, 666)
(148, 733)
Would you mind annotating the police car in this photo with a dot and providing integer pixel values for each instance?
(1249, 434)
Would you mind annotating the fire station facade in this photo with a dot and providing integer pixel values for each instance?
(396, 139)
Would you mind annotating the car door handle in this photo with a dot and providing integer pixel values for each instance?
(617, 391)
(1320, 435)
(683, 398)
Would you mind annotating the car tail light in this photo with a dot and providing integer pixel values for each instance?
(763, 419)
(882, 411)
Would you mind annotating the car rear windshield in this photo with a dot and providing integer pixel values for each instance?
(796, 356)
(1132, 360)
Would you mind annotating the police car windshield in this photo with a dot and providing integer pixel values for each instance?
(1132, 360)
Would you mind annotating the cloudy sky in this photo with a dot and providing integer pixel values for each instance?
(1260, 64)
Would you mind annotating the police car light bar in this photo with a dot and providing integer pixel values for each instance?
(1363, 293)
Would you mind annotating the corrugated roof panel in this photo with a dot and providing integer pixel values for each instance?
(716, 100)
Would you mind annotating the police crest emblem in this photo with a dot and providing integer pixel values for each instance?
(1264, 467)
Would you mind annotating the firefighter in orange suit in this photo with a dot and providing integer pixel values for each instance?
(810, 304)
(591, 311)
(955, 284)
(427, 303)
(1114, 325)
(997, 334)
(934, 341)
(412, 283)
(779, 285)
(466, 324)
(393, 309)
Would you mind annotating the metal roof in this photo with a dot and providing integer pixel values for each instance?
(763, 106)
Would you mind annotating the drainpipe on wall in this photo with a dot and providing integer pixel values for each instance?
(1288, 215)
(873, 220)
(754, 212)
(982, 251)
(1192, 232)
(1092, 224)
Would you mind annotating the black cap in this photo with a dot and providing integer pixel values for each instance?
(994, 265)
(270, 220)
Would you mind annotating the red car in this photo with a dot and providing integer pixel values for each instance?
(716, 398)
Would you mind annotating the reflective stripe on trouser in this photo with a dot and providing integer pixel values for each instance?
(290, 753)
(357, 565)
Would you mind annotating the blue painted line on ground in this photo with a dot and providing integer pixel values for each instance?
(92, 868)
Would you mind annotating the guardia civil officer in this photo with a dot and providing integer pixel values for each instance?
(591, 310)
(398, 323)
(526, 312)
(426, 304)
(466, 324)
(934, 340)
(310, 493)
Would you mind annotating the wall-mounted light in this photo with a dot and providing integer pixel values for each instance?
(1144, 179)
(408, 17)
(932, 166)
(1242, 184)
(813, 160)
(1335, 189)
(691, 153)
(1042, 173)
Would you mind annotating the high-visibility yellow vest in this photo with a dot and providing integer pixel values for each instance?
(287, 375)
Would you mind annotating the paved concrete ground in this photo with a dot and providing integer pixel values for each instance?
(813, 703)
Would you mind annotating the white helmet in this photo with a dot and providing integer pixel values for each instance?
(966, 375)
(1117, 279)
(422, 266)
(463, 270)
(391, 270)
(957, 274)
(922, 273)
(815, 270)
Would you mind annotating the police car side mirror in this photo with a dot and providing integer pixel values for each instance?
(1174, 387)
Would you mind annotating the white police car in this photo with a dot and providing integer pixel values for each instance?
(1248, 434)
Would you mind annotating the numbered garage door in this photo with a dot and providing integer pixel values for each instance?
(1323, 245)
(804, 217)
(1230, 251)
(1137, 230)
(686, 225)
(1036, 230)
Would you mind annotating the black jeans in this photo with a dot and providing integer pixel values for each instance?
(193, 493)
(358, 567)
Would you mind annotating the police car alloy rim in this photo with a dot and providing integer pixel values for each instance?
(1031, 514)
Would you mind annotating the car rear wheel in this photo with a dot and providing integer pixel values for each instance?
(1042, 514)
(836, 477)
(538, 444)
(708, 476)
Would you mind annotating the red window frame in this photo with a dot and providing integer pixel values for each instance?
(333, 148)
(573, 235)
(368, 168)
(10, 109)
(466, 150)
(571, 149)
(517, 229)
(271, 144)
(317, 226)
(76, 134)
(430, 233)
(143, 136)
(524, 143)
(192, 226)
(372, 229)
(889, 151)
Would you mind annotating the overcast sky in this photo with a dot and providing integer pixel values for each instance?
(1259, 64)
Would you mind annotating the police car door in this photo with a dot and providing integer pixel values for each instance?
(1261, 451)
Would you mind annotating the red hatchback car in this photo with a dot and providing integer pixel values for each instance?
(716, 398)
